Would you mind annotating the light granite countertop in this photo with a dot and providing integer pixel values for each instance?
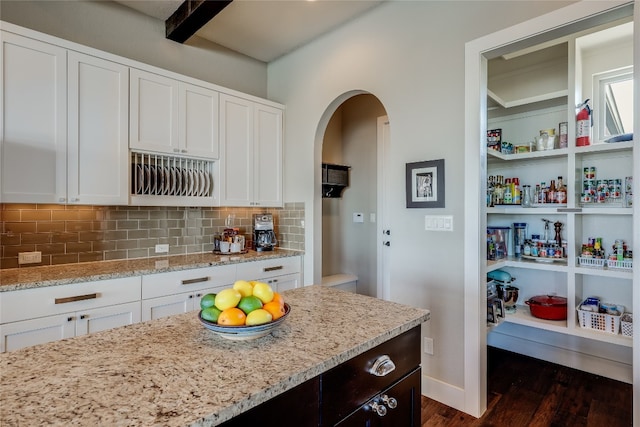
(174, 372)
(36, 277)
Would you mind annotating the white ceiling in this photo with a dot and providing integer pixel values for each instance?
(265, 29)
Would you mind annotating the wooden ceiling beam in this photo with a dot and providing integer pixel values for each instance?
(191, 16)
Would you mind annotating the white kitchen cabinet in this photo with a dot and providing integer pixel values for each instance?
(34, 121)
(98, 154)
(177, 292)
(172, 117)
(280, 273)
(65, 126)
(251, 149)
(65, 311)
(561, 341)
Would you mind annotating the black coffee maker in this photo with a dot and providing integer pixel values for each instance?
(264, 239)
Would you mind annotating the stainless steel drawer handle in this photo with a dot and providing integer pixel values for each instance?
(278, 267)
(382, 366)
(198, 280)
(76, 298)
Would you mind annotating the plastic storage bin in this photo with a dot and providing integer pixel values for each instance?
(500, 237)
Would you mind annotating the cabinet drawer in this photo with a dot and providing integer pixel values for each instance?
(348, 386)
(268, 268)
(34, 303)
(177, 282)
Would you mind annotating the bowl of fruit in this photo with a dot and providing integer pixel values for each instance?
(248, 310)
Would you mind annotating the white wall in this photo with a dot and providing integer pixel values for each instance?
(410, 55)
(117, 29)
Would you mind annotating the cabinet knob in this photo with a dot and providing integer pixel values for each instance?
(83, 316)
(386, 243)
(62, 200)
(183, 151)
(70, 319)
(390, 401)
(382, 366)
(190, 296)
(176, 150)
(379, 409)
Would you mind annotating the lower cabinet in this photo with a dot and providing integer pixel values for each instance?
(380, 387)
(59, 312)
(279, 273)
(177, 292)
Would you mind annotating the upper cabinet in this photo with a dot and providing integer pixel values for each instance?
(172, 117)
(98, 132)
(34, 121)
(251, 149)
(64, 125)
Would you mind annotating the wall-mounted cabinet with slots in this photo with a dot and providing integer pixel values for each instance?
(529, 93)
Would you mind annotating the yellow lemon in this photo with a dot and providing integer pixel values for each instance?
(227, 298)
(262, 291)
(244, 287)
(258, 317)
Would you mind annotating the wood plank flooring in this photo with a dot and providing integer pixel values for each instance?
(523, 391)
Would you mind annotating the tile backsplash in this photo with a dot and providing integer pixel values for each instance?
(68, 234)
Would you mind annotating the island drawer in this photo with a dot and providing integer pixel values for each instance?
(348, 386)
(177, 282)
(39, 302)
(257, 270)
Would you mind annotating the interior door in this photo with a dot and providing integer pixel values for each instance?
(384, 231)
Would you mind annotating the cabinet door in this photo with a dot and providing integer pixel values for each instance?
(26, 333)
(101, 319)
(156, 308)
(34, 121)
(267, 163)
(198, 118)
(98, 131)
(236, 146)
(283, 283)
(153, 112)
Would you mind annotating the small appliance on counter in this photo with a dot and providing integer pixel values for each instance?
(264, 238)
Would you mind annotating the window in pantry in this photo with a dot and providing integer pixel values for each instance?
(613, 106)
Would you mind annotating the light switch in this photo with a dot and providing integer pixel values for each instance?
(358, 217)
(438, 222)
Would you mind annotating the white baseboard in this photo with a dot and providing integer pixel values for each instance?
(442, 392)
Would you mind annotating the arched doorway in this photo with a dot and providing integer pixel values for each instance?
(348, 229)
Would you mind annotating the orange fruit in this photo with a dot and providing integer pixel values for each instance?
(232, 317)
(276, 310)
(278, 298)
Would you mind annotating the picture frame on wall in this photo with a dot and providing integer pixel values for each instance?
(425, 184)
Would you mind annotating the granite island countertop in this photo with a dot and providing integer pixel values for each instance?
(37, 277)
(174, 372)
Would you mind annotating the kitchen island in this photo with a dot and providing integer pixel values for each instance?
(174, 372)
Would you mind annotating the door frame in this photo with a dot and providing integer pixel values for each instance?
(383, 254)
(567, 20)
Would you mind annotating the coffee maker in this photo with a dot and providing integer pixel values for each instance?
(264, 239)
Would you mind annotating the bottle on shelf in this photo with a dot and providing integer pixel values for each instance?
(508, 195)
(551, 193)
(561, 192)
(542, 196)
(517, 195)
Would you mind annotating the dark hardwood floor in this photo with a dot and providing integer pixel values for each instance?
(523, 391)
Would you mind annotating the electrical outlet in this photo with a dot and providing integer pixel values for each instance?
(428, 345)
(162, 249)
(29, 257)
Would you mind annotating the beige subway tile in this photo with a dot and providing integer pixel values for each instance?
(78, 247)
(90, 236)
(35, 215)
(21, 227)
(109, 225)
(186, 240)
(12, 251)
(158, 232)
(148, 243)
(90, 257)
(64, 237)
(64, 215)
(137, 253)
(111, 255)
(137, 234)
(175, 232)
(114, 235)
(147, 224)
(159, 214)
(50, 207)
(9, 239)
(33, 238)
(127, 225)
(138, 215)
(116, 215)
(64, 259)
(51, 248)
(177, 250)
(89, 215)
(98, 225)
(13, 216)
(127, 244)
(8, 263)
(78, 226)
(175, 215)
(48, 227)
(194, 249)
(21, 206)
(104, 246)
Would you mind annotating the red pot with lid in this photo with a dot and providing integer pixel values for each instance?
(549, 307)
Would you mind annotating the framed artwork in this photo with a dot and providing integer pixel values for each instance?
(425, 184)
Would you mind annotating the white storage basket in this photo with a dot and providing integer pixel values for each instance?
(600, 321)
(591, 262)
